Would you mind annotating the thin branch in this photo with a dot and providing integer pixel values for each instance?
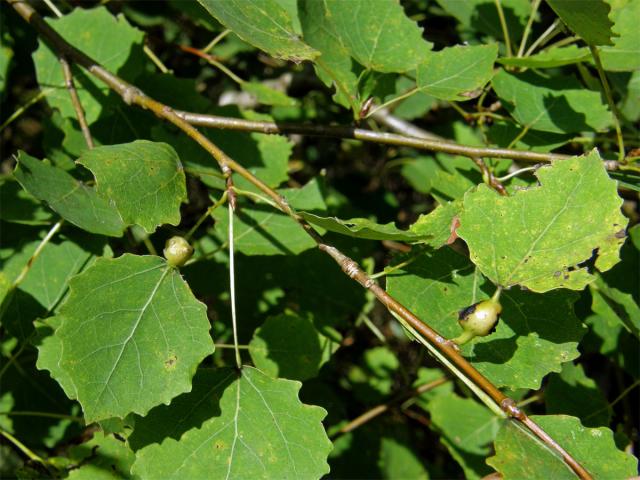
(384, 407)
(216, 40)
(61, 416)
(23, 273)
(155, 59)
(525, 36)
(489, 178)
(75, 101)
(607, 93)
(547, 35)
(505, 28)
(346, 131)
(53, 8)
(232, 287)
(401, 126)
(444, 349)
(24, 449)
(516, 173)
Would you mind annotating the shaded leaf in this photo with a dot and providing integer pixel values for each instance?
(262, 431)
(262, 230)
(374, 377)
(398, 458)
(378, 34)
(45, 285)
(17, 205)
(145, 180)
(587, 18)
(132, 337)
(288, 346)
(595, 450)
(534, 336)
(559, 224)
(571, 392)
(6, 53)
(265, 24)
(187, 411)
(109, 40)
(73, 200)
(104, 457)
(503, 134)
(457, 73)
(482, 15)
(467, 429)
(556, 104)
(24, 389)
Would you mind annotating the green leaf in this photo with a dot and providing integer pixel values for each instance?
(104, 457)
(288, 346)
(397, 457)
(262, 230)
(28, 390)
(556, 104)
(437, 223)
(571, 392)
(17, 206)
(587, 18)
(467, 429)
(74, 201)
(369, 230)
(264, 24)
(50, 354)
(619, 305)
(109, 40)
(457, 73)
(262, 431)
(266, 156)
(267, 95)
(334, 66)
(534, 336)
(559, 224)
(46, 282)
(554, 57)
(378, 35)
(593, 448)
(624, 55)
(503, 134)
(145, 180)
(373, 379)
(132, 337)
(185, 412)
(6, 54)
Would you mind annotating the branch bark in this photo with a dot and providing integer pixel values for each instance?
(447, 349)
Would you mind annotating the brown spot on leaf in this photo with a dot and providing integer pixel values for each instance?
(170, 363)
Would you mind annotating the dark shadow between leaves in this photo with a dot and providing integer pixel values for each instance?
(485, 19)
(187, 411)
(563, 115)
(292, 343)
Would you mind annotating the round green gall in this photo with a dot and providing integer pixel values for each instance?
(177, 251)
(478, 319)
